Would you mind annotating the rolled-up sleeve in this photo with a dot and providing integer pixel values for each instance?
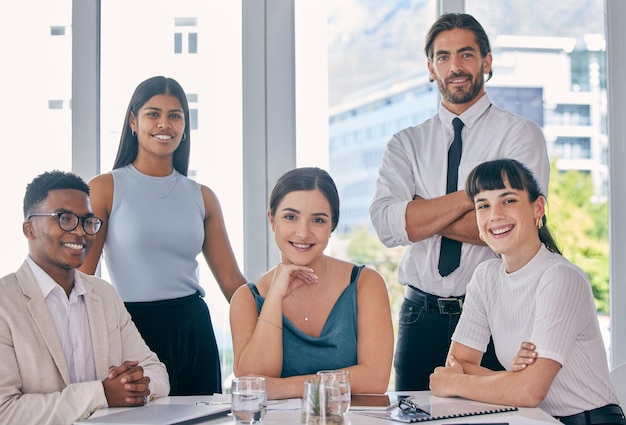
(394, 190)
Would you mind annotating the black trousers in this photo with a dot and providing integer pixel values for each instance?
(180, 332)
(424, 333)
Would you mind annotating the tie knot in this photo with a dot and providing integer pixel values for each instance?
(457, 124)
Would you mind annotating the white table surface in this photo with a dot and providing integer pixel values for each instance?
(526, 416)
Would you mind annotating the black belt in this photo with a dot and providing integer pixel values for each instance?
(609, 414)
(444, 305)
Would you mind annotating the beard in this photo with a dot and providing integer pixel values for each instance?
(459, 96)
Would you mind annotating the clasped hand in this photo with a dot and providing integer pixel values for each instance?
(126, 385)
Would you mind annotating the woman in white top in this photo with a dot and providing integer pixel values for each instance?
(532, 293)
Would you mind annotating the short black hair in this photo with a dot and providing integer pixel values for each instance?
(37, 190)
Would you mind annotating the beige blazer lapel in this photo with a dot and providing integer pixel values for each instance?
(38, 310)
(98, 328)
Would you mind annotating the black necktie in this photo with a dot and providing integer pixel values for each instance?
(450, 254)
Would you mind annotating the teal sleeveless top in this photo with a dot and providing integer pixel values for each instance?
(335, 348)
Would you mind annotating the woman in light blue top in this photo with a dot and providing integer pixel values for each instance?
(311, 312)
(156, 221)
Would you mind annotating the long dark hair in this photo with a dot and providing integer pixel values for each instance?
(491, 176)
(450, 21)
(307, 178)
(128, 147)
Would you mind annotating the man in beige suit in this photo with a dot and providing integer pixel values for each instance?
(67, 344)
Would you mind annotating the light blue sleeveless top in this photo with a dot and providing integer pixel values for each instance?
(155, 232)
(335, 348)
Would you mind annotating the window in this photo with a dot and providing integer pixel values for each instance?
(193, 118)
(55, 104)
(39, 59)
(549, 67)
(186, 32)
(192, 98)
(178, 43)
(57, 30)
(193, 42)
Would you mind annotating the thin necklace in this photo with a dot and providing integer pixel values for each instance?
(319, 287)
(163, 196)
(156, 182)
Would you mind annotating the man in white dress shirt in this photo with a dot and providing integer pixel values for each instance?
(412, 205)
(67, 344)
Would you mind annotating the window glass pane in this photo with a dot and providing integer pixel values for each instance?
(559, 48)
(193, 118)
(193, 42)
(186, 22)
(178, 43)
(36, 76)
(549, 67)
(57, 30)
(377, 85)
(55, 104)
(216, 148)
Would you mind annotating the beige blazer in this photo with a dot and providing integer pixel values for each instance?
(35, 383)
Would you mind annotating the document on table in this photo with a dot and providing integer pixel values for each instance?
(286, 404)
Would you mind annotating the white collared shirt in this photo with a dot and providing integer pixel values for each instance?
(415, 163)
(71, 323)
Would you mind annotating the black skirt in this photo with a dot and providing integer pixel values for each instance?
(180, 332)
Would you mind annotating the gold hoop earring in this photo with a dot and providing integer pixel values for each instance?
(539, 223)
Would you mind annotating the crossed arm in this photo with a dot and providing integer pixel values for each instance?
(522, 386)
(450, 215)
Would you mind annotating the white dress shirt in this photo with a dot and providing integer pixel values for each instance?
(71, 323)
(415, 163)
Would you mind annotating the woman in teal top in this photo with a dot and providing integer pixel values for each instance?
(336, 346)
(311, 312)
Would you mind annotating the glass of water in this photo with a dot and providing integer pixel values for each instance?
(249, 399)
(340, 378)
(321, 403)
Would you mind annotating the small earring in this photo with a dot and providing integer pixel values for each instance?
(539, 223)
(184, 137)
(133, 132)
(430, 79)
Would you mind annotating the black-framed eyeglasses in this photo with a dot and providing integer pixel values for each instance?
(68, 221)
(408, 407)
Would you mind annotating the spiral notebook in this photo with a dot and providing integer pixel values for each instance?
(438, 408)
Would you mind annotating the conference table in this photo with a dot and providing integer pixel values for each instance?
(288, 412)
